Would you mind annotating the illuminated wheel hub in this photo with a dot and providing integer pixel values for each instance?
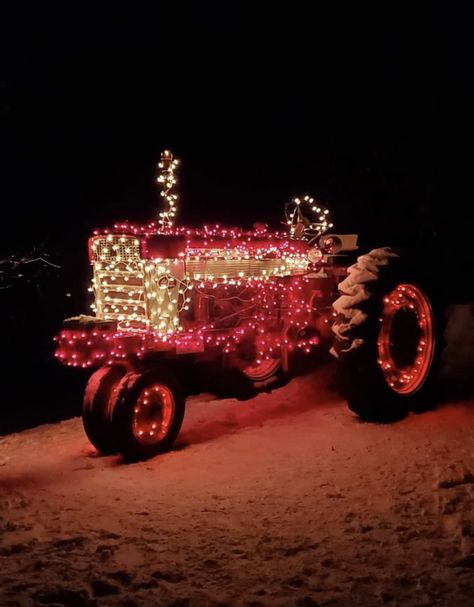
(406, 339)
(153, 414)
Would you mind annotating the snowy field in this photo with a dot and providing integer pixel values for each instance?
(286, 499)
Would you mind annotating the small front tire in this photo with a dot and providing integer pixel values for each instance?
(98, 405)
(149, 413)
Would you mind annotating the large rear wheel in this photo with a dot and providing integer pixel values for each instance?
(388, 337)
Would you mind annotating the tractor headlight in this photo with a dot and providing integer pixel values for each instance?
(315, 255)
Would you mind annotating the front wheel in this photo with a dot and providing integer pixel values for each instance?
(148, 414)
(388, 337)
(98, 405)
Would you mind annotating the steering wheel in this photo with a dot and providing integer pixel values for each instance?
(306, 219)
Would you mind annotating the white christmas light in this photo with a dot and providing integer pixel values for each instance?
(167, 180)
(305, 219)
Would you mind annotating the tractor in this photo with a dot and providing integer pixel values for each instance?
(232, 307)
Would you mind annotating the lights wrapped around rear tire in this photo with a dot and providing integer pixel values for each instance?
(388, 336)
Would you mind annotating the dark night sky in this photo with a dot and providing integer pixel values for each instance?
(367, 109)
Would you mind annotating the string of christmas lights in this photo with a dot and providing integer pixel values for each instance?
(306, 218)
(167, 180)
(274, 310)
(160, 288)
(151, 293)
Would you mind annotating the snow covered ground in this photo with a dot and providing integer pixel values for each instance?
(286, 499)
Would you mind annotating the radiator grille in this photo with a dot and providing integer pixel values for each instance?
(140, 294)
(115, 248)
(120, 294)
(239, 268)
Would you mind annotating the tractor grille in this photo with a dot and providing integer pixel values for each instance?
(119, 281)
(239, 268)
(141, 294)
(114, 249)
(120, 294)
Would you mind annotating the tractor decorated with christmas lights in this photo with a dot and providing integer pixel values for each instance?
(229, 309)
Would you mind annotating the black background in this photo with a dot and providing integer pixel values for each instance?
(368, 109)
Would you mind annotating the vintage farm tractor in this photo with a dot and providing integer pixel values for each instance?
(171, 303)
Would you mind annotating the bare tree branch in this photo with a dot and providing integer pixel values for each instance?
(28, 266)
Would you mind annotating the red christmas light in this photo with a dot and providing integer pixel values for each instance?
(246, 298)
(161, 288)
(267, 272)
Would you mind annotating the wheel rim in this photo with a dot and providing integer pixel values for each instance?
(153, 414)
(262, 368)
(406, 339)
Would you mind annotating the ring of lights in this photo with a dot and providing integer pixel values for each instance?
(153, 414)
(406, 339)
(149, 412)
(388, 336)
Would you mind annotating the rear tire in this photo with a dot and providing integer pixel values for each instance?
(98, 405)
(388, 337)
(149, 413)
(243, 381)
(263, 371)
